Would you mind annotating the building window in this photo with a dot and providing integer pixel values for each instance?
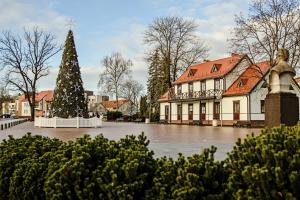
(192, 72)
(242, 82)
(215, 68)
(179, 89)
(191, 89)
(179, 110)
(203, 85)
(190, 111)
(217, 84)
(216, 110)
(262, 106)
(203, 110)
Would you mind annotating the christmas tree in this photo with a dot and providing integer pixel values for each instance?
(69, 100)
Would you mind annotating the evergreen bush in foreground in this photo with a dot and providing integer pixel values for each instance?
(262, 167)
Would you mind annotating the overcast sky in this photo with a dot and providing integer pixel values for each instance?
(104, 26)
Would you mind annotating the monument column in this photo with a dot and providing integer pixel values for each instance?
(282, 104)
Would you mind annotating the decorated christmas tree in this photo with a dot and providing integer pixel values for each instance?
(69, 100)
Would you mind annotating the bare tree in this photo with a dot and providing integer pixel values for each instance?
(116, 68)
(178, 44)
(25, 60)
(132, 90)
(270, 25)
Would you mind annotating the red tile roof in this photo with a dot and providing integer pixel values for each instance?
(113, 104)
(47, 95)
(204, 70)
(249, 79)
(165, 97)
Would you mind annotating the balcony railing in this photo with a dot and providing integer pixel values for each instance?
(207, 94)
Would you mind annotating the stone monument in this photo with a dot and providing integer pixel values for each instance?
(282, 104)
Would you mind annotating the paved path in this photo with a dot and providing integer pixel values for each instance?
(165, 140)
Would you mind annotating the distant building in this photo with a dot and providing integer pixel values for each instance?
(98, 104)
(9, 108)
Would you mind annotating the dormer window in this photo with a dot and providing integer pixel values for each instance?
(215, 68)
(242, 82)
(192, 72)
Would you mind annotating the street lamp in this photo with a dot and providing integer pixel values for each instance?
(149, 102)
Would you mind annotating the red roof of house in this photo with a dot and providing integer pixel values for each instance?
(204, 70)
(113, 104)
(248, 79)
(47, 95)
(165, 97)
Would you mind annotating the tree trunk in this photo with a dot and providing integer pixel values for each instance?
(32, 106)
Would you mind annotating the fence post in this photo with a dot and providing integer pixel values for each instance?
(77, 122)
(54, 122)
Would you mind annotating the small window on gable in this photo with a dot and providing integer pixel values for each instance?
(192, 72)
(215, 68)
(242, 82)
(264, 85)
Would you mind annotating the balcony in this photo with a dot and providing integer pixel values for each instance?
(207, 94)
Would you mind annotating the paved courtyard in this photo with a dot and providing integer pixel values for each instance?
(165, 140)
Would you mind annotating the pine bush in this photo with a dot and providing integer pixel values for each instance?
(260, 167)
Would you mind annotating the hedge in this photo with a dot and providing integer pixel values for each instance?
(262, 167)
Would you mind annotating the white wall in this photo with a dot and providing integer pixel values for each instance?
(184, 88)
(185, 112)
(210, 84)
(236, 72)
(227, 107)
(256, 96)
(174, 111)
(162, 110)
(25, 109)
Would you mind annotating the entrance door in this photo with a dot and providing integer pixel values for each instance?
(236, 110)
(190, 111)
(167, 113)
(216, 110)
(203, 111)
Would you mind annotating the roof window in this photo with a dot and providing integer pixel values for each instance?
(215, 67)
(242, 82)
(192, 72)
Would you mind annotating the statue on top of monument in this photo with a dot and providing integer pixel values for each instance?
(281, 74)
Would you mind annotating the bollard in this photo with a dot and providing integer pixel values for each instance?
(1, 126)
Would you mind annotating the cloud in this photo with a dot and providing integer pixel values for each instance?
(130, 44)
(18, 14)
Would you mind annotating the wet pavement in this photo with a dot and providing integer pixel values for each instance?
(165, 140)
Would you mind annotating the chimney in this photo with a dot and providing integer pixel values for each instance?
(206, 60)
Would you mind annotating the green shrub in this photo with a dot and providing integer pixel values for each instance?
(197, 177)
(262, 167)
(22, 162)
(113, 115)
(266, 166)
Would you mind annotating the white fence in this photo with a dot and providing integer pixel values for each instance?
(77, 122)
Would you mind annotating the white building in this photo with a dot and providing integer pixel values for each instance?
(226, 91)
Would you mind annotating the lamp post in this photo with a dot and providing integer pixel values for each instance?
(149, 102)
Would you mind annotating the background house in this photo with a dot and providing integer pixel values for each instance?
(224, 91)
